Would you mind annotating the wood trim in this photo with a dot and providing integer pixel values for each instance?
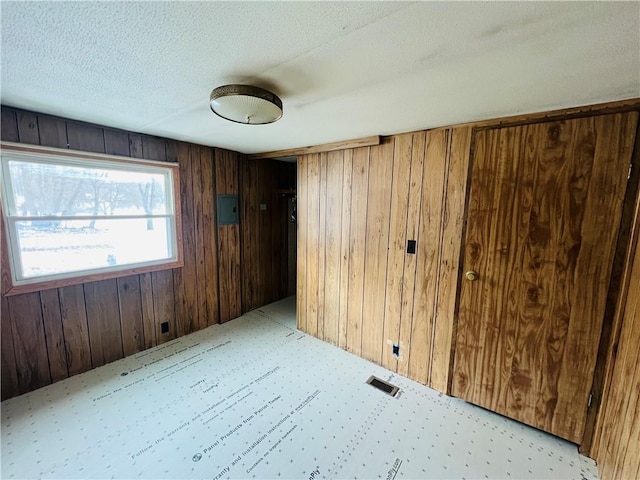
(325, 147)
(561, 114)
(514, 120)
(95, 277)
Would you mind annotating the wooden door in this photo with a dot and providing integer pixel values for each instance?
(544, 209)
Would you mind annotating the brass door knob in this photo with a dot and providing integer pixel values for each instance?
(472, 275)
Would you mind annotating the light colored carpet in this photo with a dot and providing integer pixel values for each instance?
(254, 398)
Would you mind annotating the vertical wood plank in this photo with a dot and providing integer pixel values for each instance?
(183, 315)
(277, 218)
(130, 309)
(278, 235)
(357, 245)
(400, 166)
(135, 145)
(163, 305)
(416, 182)
(322, 241)
(452, 231)
(265, 256)
(197, 193)
(428, 249)
(53, 131)
(224, 276)
(626, 458)
(8, 125)
(184, 278)
(87, 138)
(345, 232)
(376, 249)
(333, 236)
(270, 234)
(313, 241)
(116, 142)
(630, 461)
(5, 270)
(302, 227)
(233, 237)
(103, 319)
(52, 319)
(154, 148)
(75, 329)
(148, 311)
(8, 365)
(250, 251)
(171, 150)
(209, 237)
(245, 232)
(28, 128)
(29, 342)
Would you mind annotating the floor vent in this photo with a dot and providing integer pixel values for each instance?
(382, 385)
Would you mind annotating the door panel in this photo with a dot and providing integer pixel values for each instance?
(543, 217)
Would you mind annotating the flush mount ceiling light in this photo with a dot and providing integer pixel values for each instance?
(246, 104)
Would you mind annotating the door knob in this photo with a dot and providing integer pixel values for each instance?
(472, 275)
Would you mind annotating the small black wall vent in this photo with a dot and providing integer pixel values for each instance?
(382, 385)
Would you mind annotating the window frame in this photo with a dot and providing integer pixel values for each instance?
(10, 286)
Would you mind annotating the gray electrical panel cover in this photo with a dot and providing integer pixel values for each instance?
(228, 210)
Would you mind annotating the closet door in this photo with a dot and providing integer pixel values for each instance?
(544, 210)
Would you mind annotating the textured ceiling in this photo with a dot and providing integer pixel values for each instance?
(343, 70)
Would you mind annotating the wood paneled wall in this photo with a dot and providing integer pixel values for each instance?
(616, 446)
(264, 232)
(53, 334)
(358, 288)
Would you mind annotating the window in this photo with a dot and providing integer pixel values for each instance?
(73, 217)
